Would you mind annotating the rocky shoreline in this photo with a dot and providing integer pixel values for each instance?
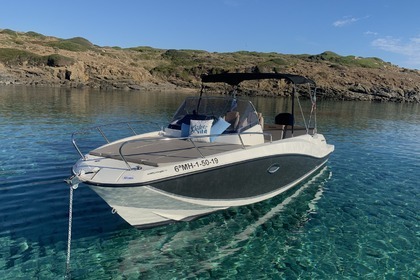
(36, 60)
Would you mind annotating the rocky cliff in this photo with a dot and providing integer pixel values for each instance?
(34, 59)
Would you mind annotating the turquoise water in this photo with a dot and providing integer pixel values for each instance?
(357, 219)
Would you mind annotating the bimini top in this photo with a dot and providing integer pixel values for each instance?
(235, 79)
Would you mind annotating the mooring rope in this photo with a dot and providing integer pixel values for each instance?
(72, 188)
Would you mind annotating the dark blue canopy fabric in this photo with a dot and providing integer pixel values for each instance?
(236, 78)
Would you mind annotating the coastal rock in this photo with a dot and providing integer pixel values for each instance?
(49, 61)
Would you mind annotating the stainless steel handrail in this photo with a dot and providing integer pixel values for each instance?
(73, 141)
(99, 129)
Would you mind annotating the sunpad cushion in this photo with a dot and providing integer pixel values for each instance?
(218, 128)
(185, 130)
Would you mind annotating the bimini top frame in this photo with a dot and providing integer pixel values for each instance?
(234, 79)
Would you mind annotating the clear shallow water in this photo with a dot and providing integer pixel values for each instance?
(358, 218)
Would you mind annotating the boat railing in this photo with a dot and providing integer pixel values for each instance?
(191, 139)
(100, 129)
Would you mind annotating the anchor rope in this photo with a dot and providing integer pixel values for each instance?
(69, 231)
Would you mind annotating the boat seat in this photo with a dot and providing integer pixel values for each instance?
(276, 130)
(261, 119)
(297, 131)
(284, 118)
(232, 117)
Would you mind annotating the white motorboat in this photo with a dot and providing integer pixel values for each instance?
(215, 153)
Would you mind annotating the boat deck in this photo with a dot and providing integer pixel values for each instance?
(155, 152)
(159, 152)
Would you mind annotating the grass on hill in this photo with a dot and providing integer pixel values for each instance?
(350, 61)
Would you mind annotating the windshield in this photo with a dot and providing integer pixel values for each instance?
(214, 107)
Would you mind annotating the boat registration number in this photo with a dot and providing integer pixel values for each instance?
(196, 164)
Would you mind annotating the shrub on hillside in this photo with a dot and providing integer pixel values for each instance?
(77, 44)
(12, 57)
(35, 35)
(9, 32)
(56, 60)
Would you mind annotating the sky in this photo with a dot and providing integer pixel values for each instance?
(387, 29)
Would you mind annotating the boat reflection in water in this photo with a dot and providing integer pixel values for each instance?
(227, 233)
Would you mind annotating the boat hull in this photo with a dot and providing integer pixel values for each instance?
(241, 180)
(186, 197)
